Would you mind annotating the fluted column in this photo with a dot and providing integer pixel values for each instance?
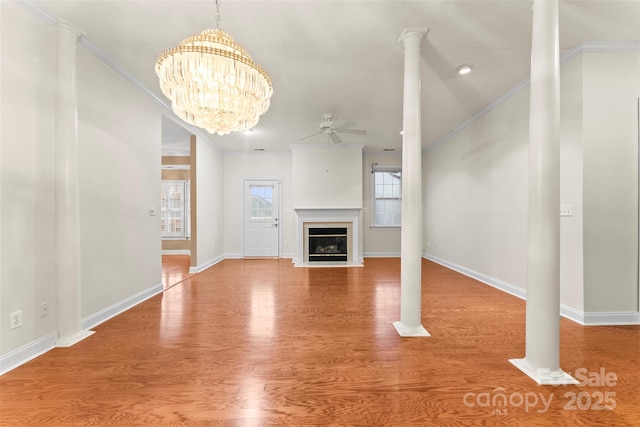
(542, 354)
(67, 191)
(411, 233)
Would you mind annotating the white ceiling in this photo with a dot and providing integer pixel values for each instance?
(344, 57)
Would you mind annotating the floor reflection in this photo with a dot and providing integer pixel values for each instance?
(175, 269)
(262, 320)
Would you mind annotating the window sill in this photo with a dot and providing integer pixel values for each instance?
(385, 227)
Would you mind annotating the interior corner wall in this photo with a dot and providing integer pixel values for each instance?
(210, 205)
(475, 187)
(119, 134)
(611, 91)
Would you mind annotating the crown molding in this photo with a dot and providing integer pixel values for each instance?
(588, 47)
(97, 51)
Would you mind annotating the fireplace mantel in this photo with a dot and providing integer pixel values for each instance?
(329, 216)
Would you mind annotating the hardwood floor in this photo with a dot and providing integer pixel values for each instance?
(260, 343)
(175, 269)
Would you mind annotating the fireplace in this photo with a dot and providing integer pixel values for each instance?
(328, 237)
(327, 244)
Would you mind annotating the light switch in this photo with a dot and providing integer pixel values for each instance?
(152, 211)
(566, 210)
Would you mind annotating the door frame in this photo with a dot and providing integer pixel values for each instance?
(245, 181)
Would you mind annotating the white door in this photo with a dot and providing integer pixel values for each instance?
(261, 214)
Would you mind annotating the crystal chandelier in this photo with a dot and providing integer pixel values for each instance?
(213, 83)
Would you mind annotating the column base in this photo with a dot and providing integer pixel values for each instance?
(70, 340)
(543, 376)
(408, 331)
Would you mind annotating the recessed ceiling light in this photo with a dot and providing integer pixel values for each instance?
(464, 69)
(248, 131)
(401, 132)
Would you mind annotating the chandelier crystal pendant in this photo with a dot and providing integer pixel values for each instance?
(213, 83)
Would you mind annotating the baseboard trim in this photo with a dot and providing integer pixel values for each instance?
(120, 307)
(381, 255)
(496, 283)
(611, 319)
(570, 313)
(28, 352)
(201, 267)
(176, 252)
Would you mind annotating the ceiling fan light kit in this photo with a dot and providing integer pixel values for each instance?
(213, 83)
(332, 128)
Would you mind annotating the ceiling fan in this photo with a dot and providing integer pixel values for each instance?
(332, 129)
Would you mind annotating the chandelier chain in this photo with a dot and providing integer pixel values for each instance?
(218, 14)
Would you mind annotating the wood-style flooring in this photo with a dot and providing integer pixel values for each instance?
(261, 343)
(175, 269)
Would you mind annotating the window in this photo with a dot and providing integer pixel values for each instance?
(174, 209)
(261, 201)
(387, 195)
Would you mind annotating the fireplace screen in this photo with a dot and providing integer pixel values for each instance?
(328, 244)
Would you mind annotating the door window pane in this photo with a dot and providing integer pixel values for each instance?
(261, 201)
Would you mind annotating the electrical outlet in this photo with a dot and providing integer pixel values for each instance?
(15, 319)
(44, 309)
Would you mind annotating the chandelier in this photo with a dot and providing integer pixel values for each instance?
(213, 83)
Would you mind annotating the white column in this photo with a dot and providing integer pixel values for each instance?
(67, 192)
(411, 234)
(542, 358)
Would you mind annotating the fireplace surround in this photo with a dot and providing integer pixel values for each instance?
(334, 234)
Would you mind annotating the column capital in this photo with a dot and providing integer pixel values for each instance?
(413, 34)
(68, 26)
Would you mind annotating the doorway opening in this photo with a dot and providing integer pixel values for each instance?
(177, 203)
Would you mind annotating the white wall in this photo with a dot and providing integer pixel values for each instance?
(327, 176)
(571, 187)
(119, 135)
(475, 194)
(119, 153)
(210, 204)
(612, 87)
(241, 166)
(27, 168)
(475, 188)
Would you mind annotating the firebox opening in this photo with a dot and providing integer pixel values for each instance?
(328, 244)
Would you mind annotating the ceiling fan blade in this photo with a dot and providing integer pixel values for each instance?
(353, 131)
(335, 138)
(338, 123)
(311, 136)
